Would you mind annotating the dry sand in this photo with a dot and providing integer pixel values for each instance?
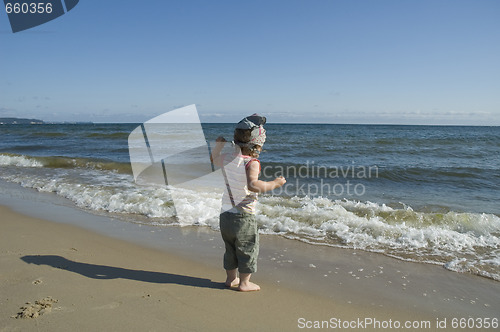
(84, 281)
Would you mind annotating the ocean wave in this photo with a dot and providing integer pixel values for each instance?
(48, 134)
(402, 233)
(7, 159)
(115, 135)
(111, 192)
(10, 159)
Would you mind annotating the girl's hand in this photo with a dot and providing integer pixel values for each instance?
(280, 181)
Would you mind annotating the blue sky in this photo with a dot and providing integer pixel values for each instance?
(318, 61)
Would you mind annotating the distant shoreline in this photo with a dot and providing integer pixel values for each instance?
(25, 121)
(20, 121)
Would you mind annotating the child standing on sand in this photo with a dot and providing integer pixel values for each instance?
(238, 225)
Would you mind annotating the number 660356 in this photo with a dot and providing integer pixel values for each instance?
(25, 8)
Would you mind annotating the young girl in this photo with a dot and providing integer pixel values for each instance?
(238, 225)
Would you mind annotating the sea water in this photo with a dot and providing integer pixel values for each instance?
(420, 193)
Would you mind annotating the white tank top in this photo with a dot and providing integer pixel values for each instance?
(237, 197)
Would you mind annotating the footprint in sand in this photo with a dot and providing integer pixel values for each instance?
(40, 307)
(112, 305)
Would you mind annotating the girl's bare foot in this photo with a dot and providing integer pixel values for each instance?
(248, 287)
(232, 282)
(232, 279)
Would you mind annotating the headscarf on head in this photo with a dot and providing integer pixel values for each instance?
(254, 122)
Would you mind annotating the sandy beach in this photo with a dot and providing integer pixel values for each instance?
(363, 137)
(106, 284)
(93, 282)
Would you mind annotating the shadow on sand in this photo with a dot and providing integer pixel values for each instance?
(109, 272)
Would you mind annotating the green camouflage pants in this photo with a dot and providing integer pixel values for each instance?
(241, 238)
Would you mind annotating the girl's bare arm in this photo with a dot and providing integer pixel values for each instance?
(259, 186)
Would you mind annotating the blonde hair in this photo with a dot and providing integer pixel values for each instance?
(252, 152)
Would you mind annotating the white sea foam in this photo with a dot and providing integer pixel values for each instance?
(369, 225)
(19, 161)
(116, 193)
